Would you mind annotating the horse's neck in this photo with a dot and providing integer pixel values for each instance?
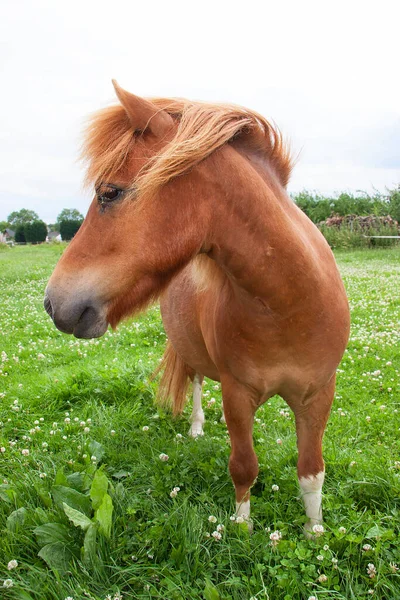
(257, 235)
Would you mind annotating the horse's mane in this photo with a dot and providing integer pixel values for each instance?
(202, 128)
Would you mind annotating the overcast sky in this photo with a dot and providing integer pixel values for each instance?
(326, 72)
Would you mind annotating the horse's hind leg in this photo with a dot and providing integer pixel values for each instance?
(239, 409)
(197, 417)
(311, 418)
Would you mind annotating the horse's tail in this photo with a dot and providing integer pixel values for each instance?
(174, 381)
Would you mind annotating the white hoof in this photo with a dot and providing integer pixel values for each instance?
(222, 419)
(196, 430)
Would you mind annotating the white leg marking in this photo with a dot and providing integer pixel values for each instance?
(222, 419)
(311, 492)
(197, 417)
(243, 510)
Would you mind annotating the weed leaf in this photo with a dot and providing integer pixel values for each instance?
(103, 515)
(17, 519)
(49, 533)
(71, 497)
(56, 556)
(78, 518)
(99, 488)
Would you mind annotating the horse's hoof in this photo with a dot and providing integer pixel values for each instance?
(196, 430)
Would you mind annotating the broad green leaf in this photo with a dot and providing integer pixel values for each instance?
(96, 450)
(71, 497)
(210, 591)
(16, 519)
(49, 533)
(89, 544)
(60, 478)
(103, 515)
(78, 518)
(99, 488)
(76, 481)
(7, 494)
(56, 556)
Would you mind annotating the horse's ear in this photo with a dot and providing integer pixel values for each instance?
(143, 114)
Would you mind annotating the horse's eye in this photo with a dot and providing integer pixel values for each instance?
(107, 194)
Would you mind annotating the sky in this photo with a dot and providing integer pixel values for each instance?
(326, 72)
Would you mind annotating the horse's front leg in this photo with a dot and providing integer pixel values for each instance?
(239, 407)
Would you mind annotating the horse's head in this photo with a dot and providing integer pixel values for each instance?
(160, 186)
(107, 268)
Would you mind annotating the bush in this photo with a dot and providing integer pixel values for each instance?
(35, 232)
(68, 229)
(353, 231)
(319, 208)
(20, 234)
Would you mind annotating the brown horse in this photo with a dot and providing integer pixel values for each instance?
(190, 206)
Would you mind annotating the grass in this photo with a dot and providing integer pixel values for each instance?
(85, 505)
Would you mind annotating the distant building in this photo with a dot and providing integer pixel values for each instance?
(53, 236)
(9, 234)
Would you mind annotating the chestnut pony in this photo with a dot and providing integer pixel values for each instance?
(190, 207)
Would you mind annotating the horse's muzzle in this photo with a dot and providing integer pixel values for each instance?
(81, 317)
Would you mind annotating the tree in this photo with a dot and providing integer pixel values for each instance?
(4, 225)
(69, 214)
(35, 232)
(394, 204)
(20, 217)
(20, 234)
(68, 229)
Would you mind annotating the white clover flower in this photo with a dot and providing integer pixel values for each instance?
(25, 452)
(216, 535)
(2, 449)
(322, 578)
(13, 564)
(371, 570)
(212, 519)
(320, 557)
(42, 475)
(393, 567)
(112, 431)
(93, 458)
(67, 420)
(239, 519)
(275, 488)
(145, 428)
(279, 441)
(174, 492)
(164, 457)
(86, 430)
(312, 598)
(8, 583)
(318, 530)
(69, 598)
(232, 518)
(326, 547)
(179, 436)
(44, 444)
(275, 538)
(220, 528)
(367, 547)
(342, 530)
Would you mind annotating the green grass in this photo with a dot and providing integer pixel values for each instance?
(129, 536)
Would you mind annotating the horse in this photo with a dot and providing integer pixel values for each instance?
(190, 207)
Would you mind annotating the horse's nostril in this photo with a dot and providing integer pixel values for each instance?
(47, 306)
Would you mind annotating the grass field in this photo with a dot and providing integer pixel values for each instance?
(85, 500)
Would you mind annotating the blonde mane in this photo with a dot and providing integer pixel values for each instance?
(202, 129)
